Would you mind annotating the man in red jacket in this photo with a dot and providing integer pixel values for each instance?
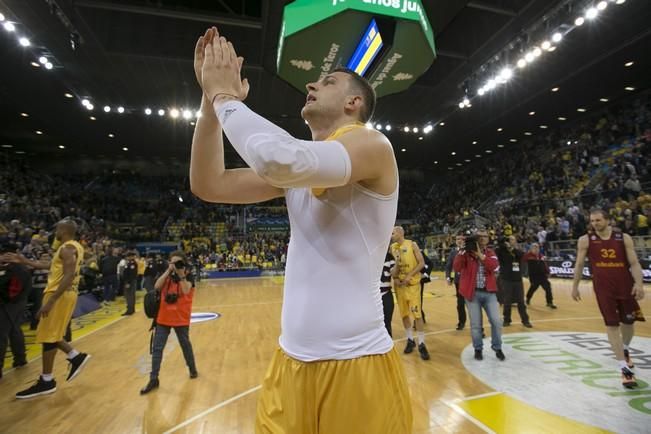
(477, 265)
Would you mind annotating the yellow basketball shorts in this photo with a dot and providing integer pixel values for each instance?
(409, 301)
(52, 328)
(357, 396)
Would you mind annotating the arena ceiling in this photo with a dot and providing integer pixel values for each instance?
(138, 54)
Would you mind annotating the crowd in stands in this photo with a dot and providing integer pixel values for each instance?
(539, 190)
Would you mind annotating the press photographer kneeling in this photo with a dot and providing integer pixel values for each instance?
(175, 287)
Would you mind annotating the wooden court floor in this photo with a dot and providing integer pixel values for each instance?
(232, 354)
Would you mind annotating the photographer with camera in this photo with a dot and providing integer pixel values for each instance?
(176, 288)
(510, 259)
(150, 272)
(461, 304)
(478, 285)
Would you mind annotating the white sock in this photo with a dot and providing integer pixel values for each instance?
(622, 364)
(47, 377)
(72, 354)
(421, 338)
(410, 333)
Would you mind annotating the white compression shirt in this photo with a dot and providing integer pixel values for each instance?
(332, 308)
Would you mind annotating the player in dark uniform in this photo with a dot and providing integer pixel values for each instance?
(617, 281)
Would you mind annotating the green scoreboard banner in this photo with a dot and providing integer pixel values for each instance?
(390, 42)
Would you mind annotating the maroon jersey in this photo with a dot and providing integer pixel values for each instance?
(609, 264)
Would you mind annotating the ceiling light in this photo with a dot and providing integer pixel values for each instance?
(555, 89)
(161, 112)
(25, 115)
(474, 142)
(197, 114)
(92, 118)
(481, 91)
(537, 51)
(61, 147)
(49, 65)
(24, 42)
(43, 60)
(506, 73)
(522, 63)
(461, 105)
(39, 132)
(420, 138)
(500, 146)
(579, 21)
(111, 135)
(569, 142)
(187, 114)
(552, 48)
(581, 110)
(591, 13)
(477, 156)
(491, 84)
(9, 27)
(442, 123)
(406, 129)
(147, 111)
(453, 153)
(603, 99)
(378, 127)
(562, 119)
(499, 130)
(85, 102)
(629, 88)
(436, 162)
(20, 152)
(7, 146)
(107, 108)
(67, 95)
(488, 151)
(627, 64)
(459, 164)
(415, 130)
(120, 109)
(545, 45)
(89, 106)
(2, 17)
(467, 161)
(368, 124)
(125, 149)
(513, 140)
(529, 57)
(175, 114)
(557, 37)
(192, 123)
(403, 150)
(544, 127)
(35, 65)
(428, 129)
(602, 5)
(532, 113)
(388, 128)
(527, 133)
(620, 2)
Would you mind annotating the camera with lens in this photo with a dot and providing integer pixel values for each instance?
(471, 243)
(178, 265)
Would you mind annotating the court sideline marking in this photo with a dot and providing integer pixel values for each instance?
(449, 404)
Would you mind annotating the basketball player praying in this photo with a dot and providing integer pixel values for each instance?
(336, 370)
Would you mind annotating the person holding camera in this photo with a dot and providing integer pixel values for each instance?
(510, 259)
(461, 304)
(150, 273)
(176, 288)
(478, 286)
(130, 277)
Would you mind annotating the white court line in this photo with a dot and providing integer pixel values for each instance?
(463, 413)
(449, 404)
(483, 395)
(211, 409)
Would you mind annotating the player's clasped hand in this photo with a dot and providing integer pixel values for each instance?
(220, 72)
